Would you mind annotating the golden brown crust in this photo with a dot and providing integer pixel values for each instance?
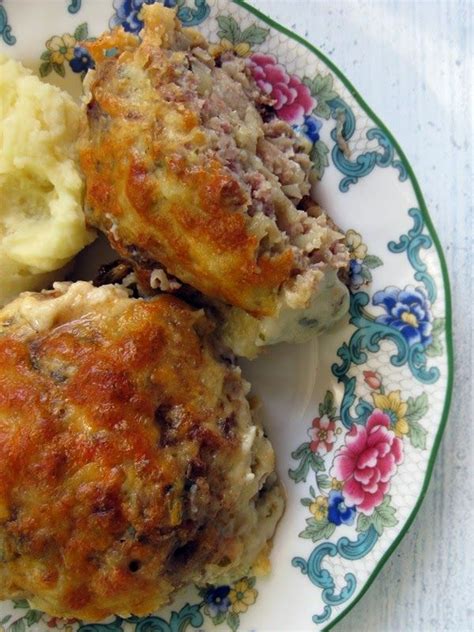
(116, 442)
(147, 190)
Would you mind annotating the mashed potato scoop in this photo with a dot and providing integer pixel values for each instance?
(42, 225)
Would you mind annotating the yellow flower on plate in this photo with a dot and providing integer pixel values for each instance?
(319, 508)
(242, 49)
(357, 249)
(393, 405)
(335, 484)
(61, 47)
(241, 596)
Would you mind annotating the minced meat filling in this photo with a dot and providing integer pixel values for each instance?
(270, 161)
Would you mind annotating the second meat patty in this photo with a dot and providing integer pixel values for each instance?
(187, 168)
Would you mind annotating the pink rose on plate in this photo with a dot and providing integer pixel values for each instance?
(322, 434)
(292, 98)
(368, 461)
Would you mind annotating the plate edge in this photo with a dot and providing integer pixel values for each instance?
(447, 297)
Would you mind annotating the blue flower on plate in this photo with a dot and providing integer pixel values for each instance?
(408, 311)
(126, 14)
(310, 128)
(338, 512)
(82, 61)
(356, 273)
(217, 599)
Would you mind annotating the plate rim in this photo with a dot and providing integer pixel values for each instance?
(449, 349)
(447, 297)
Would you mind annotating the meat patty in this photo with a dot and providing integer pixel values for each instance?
(130, 459)
(187, 168)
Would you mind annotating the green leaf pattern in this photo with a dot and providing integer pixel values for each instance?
(382, 517)
(81, 32)
(18, 626)
(371, 261)
(308, 461)
(231, 31)
(322, 481)
(319, 157)
(417, 407)
(436, 348)
(416, 410)
(254, 35)
(317, 530)
(417, 435)
(321, 89)
(327, 406)
(219, 618)
(32, 617)
(233, 621)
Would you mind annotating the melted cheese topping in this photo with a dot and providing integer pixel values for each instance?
(150, 188)
(129, 461)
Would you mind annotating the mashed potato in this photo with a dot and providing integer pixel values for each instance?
(42, 225)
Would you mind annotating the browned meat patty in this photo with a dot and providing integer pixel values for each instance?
(130, 459)
(188, 170)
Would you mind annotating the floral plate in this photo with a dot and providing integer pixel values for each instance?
(357, 417)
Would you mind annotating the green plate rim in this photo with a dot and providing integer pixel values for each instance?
(447, 298)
